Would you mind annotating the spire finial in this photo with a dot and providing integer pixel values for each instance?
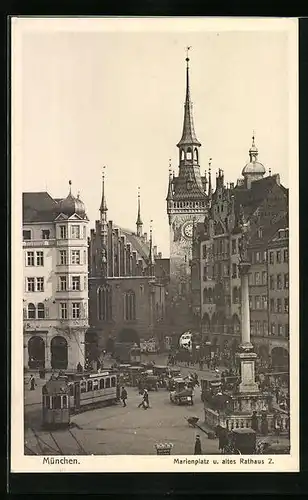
(170, 168)
(70, 185)
(187, 50)
(139, 221)
(103, 207)
(253, 138)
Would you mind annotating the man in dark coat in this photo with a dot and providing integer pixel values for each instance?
(254, 421)
(124, 396)
(198, 450)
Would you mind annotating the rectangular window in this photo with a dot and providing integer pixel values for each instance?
(39, 258)
(258, 278)
(286, 305)
(258, 302)
(26, 235)
(39, 284)
(264, 278)
(272, 282)
(273, 329)
(84, 256)
(278, 257)
(234, 270)
(279, 306)
(63, 283)
(84, 232)
(250, 280)
(30, 258)
(264, 302)
(205, 273)
(75, 257)
(75, 232)
(286, 255)
(85, 284)
(279, 281)
(63, 232)
(233, 247)
(204, 252)
(258, 256)
(286, 280)
(272, 305)
(63, 257)
(280, 330)
(63, 310)
(265, 331)
(45, 234)
(30, 285)
(76, 282)
(258, 327)
(271, 257)
(250, 302)
(265, 256)
(76, 310)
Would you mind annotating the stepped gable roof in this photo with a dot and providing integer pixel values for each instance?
(138, 243)
(39, 207)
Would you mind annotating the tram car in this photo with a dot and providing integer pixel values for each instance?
(65, 396)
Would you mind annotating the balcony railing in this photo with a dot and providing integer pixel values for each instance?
(39, 243)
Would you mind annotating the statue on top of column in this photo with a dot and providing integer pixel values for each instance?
(244, 239)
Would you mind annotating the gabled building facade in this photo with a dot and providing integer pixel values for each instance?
(55, 301)
(127, 282)
(262, 202)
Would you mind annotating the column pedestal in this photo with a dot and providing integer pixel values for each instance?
(248, 383)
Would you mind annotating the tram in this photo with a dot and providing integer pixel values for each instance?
(64, 396)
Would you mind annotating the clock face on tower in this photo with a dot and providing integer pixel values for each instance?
(188, 229)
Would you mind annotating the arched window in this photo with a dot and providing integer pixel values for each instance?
(40, 310)
(104, 303)
(205, 295)
(182, 154)
(235, 295)
(236, 324)
(31, 311)
(210, 296)
(196, 154)
(130, 305)
(189, 154)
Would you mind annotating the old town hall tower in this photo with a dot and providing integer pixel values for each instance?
(187, 200)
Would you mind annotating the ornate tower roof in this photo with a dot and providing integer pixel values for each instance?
(71, 205)
(189, 135)
(253, 167)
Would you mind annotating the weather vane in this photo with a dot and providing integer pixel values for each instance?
(187, 49)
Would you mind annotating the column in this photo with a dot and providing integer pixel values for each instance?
(245, 314)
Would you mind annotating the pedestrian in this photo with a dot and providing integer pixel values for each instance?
(254, 421)
(264, 424)
(277, 393)
(124, 396)
(198, 450)
(32, 383)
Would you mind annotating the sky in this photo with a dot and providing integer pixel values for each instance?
(115, 98)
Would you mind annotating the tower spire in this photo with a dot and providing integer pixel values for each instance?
(189, 137)
(151, 252)
(139, 223)
(170, 194)
(103, 208)
(210, 179)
